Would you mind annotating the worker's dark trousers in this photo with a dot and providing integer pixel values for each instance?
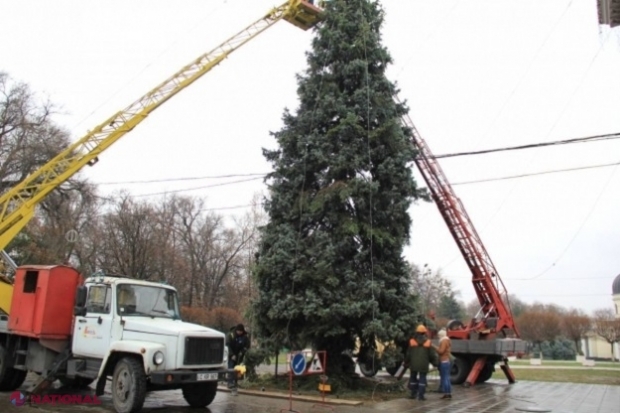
(232, 377)
(417, 385)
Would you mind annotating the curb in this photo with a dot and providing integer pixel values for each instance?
(273, 395)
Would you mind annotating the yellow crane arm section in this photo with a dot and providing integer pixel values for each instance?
(17, 206)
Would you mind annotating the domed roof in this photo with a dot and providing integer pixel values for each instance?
(615, 287)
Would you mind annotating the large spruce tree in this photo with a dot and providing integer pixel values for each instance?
(330, 267)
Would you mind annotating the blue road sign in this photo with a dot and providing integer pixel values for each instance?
(298, 364)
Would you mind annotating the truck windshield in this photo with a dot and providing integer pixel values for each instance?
(142, 300)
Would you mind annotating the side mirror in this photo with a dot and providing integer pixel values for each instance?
(79, 311)
(80, 296)
(80, 301)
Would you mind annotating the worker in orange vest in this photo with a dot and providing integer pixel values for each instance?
(420, 355)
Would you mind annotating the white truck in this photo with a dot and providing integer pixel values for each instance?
(106, 327)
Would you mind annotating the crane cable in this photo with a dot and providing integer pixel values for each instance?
(365, 28)
(302, 190)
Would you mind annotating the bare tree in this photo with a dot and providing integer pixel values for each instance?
(28, 137)
(240, 288)
(169, 263)
(58, 228)
(540, 323)
(197, 234)
(430, 286)
(227, 259)
(607, 326)
(575, 325)
(128, 234)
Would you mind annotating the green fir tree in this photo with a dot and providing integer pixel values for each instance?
(330, 267)
(450, 308)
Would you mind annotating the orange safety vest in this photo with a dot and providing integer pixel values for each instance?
(414, 343)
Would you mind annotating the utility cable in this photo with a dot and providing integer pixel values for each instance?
(198, 187)
(547, 279)
(583, 223)
(258, 176)
(190, 178)
(477, 181)
(449, 155)
(580, 84)
(594, 138)
(584, 76)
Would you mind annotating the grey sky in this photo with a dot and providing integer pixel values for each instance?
(477, 74)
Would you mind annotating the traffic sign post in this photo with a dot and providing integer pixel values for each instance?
(303, 363)
(318, 365)
(297, 365)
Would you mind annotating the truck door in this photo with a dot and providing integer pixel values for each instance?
(92, 332)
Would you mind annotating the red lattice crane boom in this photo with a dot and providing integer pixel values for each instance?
(492, 334)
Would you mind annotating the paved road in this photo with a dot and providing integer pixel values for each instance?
(493, 397)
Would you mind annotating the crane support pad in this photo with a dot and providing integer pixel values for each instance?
(501, 347)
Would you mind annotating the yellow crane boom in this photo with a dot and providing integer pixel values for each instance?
(17, 206)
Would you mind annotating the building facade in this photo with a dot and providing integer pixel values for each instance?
(596, 347)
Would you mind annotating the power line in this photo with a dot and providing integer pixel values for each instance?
(546, 279)
(598, 198)
(259, 176)
(198, 187)
(228, 207)
(189, 178)
(564, 295)
(535, 174)
(532, 145)
(562, 279)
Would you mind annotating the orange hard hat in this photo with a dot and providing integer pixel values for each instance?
(420, 329)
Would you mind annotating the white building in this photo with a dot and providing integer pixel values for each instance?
(595, 346)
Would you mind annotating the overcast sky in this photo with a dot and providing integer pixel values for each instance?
(476, 74)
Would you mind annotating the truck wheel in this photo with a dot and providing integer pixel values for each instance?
(75, 383)
(19, 377)
(459, 371)
(10, 378)
(128, 385)
(200, 395)
(366, 367)
(485, 373)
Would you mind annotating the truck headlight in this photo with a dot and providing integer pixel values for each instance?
(158, 358)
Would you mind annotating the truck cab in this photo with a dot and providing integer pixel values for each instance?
(109, 327)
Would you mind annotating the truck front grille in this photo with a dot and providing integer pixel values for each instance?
(203, 350)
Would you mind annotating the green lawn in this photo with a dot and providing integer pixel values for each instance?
(565, 363)
(586, 376)
(281, 359)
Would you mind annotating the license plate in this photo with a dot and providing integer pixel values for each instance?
(206, 376)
